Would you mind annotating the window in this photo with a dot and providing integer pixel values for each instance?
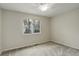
(31, 26)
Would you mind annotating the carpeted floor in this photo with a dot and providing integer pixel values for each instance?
(46, 49)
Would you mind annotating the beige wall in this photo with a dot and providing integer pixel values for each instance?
(0, 29)
(65, 29)
(13, 36)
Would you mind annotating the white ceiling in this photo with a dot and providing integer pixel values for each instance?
(56, 8)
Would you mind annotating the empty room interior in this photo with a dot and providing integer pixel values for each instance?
(39, 29)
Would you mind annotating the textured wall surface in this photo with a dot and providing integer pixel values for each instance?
(65, 29)
(13, 36)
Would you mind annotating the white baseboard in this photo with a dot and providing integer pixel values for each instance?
(17, 47)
